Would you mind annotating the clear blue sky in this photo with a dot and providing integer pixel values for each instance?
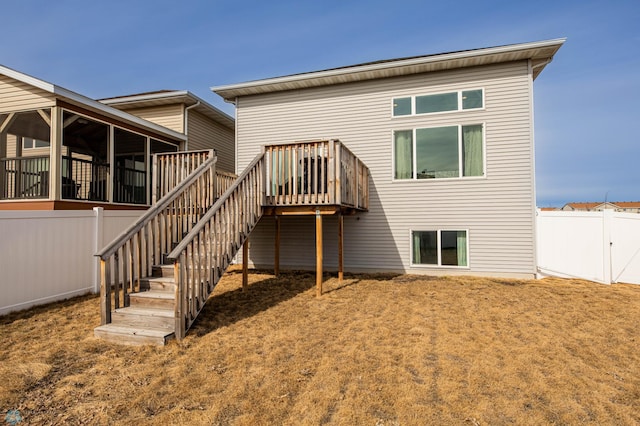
(587, 101)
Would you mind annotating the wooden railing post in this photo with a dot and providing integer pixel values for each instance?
(179, 291)
(105, 293)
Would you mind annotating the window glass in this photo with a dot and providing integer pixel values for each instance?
(425, 247)
(402, 106)
(437, 103)
(29, 143)
(437, 153)
(403, 154)
(472, 99)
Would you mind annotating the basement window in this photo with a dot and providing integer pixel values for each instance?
(447, 248)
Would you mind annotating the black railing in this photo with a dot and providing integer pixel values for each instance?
(84, 179)
(24, 177)
(130, 186)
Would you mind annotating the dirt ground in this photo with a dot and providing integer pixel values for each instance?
(374, 350)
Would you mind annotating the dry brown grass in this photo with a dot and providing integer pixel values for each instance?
(377, 350)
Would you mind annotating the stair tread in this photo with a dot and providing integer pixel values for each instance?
(170, 280)
(154, 294)
(152, 312)
(133, 330)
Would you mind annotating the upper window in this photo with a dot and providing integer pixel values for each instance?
(30, 143)
(439, 152)
(441, 102)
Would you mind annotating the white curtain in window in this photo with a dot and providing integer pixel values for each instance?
(403, 149)
(416, 248)
(472, 145)
(462, 248)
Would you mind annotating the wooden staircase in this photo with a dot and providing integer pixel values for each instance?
(200, 221)
(160, 271)
(149, 318)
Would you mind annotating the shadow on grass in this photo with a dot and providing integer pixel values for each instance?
(229, 307)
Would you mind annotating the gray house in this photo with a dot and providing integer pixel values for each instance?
(448, 140)
(421, 165)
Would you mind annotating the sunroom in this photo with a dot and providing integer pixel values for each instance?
(70, 152)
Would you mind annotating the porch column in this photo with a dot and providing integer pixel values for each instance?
(4, 127)
(55, 165)
(3, 165)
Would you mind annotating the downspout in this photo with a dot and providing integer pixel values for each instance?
(186, 122)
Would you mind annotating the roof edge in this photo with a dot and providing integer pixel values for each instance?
(84, 101)
(393, 63)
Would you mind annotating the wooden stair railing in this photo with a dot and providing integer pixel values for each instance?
(142, 245)
(170, 168)
(203, 255)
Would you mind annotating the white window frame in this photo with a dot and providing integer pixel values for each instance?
(460, 109)
(438, 242)
(33, 146)
(414, 178)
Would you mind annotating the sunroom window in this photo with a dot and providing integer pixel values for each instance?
(439, 152)
(440, 248)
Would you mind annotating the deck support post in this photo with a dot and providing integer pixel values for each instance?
(340, 247)
(245, 264)
(276, 249)
(318, 253)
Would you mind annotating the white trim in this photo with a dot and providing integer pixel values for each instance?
(419, 114)
(460, 177)
(527, 49)
(439, 249)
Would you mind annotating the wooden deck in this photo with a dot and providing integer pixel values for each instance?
(305, 177)
(201, 220)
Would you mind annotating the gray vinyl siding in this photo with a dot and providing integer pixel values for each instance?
(169, 116)
(205, 133)
(497, 210)
(18, 96)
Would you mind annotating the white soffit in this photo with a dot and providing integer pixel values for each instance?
(540, 52)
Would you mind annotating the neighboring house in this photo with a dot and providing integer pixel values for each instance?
(448, 140)
(204, 125)
(619, 206)
(60, 150)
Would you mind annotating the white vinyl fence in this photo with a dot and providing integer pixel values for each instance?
(48, 255)
(598, 246)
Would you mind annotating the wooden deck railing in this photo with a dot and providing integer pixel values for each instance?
(315, 173)
(131, 255)
(170, 168)
(224, 180)
(203, 255)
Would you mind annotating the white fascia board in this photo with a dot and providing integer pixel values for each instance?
(443, 57)
(147, 97)
(36, 82)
